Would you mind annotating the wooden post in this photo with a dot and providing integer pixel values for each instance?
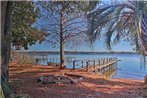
(99, 62)
(82, 64)
(87, 66)
(103, 61)
(73, 64)
(94, 63)
(106, 60)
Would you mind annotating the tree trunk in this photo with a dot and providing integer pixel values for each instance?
(61, 39)
(6, 13)
(62, 55)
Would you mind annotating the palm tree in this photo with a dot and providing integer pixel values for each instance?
(120, 20)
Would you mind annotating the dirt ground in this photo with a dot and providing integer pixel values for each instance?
(23, 80)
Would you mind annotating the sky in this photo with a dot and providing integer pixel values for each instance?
(99, 46)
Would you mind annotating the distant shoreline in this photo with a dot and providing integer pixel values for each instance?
(74, 52)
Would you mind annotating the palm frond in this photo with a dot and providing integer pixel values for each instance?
(126, 16)
(144, 32)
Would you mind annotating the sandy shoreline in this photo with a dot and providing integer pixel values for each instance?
(23, 79)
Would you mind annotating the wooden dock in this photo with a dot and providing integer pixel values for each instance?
(97, 65)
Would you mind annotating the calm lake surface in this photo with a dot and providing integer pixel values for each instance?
(130, 65)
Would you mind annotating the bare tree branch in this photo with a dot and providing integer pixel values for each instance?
(76, 22)
(76, 28)
(71, 19)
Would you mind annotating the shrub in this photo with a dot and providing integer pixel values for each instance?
(52, 64)
(21, 58)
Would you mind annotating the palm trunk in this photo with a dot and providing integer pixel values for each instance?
(61, 39)
(6, 13)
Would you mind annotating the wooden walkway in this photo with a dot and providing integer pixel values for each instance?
(97, 65)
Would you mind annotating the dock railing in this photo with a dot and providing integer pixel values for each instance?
(95, 64)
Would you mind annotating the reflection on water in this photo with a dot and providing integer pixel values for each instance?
(109, 73)
(129, 66)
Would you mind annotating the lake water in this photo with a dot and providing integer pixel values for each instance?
(130, 65)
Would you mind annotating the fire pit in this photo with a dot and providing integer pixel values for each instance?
(60, 79)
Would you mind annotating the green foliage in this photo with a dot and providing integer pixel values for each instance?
(23, 33)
